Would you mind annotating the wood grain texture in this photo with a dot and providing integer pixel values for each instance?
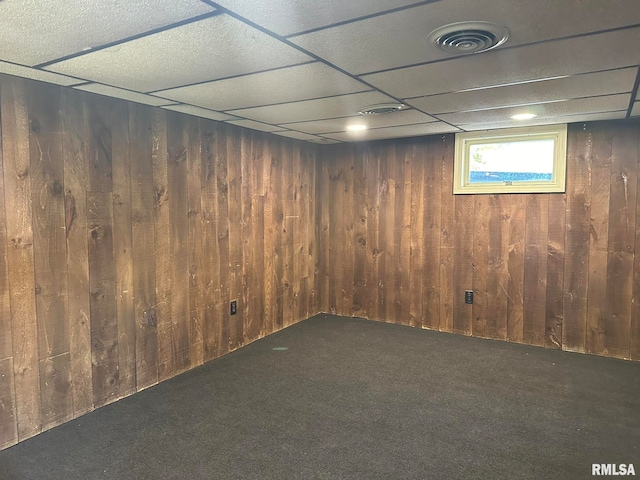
(148, 147)
(76, 178)
(19, 248)
(102, 284)
(8, 414)
(554, 270)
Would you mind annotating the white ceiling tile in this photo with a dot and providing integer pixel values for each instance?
(576, 86)
(332, 107)
(209, 49)
(636, 109)
(32, 73)
(400, 38)
(124, 94)
(286, 17)
(403, 117)
(301, 82)
(607, 103)
(503, 66)
(200, 112)
(589, 117)
(38, 31)
(302, 136)
(432, 128)
(256, 125)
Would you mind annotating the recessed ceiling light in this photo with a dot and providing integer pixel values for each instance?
(356, 127)
(524, 116)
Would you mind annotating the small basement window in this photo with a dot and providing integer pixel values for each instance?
(511, 160)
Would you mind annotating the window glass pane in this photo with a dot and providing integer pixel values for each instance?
(517, 161)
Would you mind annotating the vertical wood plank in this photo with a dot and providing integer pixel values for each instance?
(197, 300)
(147, 130)
(222, 253)
(177, 203)
(497, 281)
(20, 261)
(417, 228)
(634, 347)
(8, 418)
(123, 248)
(480, 265)
(76, 179)
(535, 268)
(622, 230)
(600, 183)
(554, 307)
(515, 331)
(234, 173)
(579, 160)
(433, 196)
(402, 242)
(210, 263)
(447, 240)
(104, 326)
(373, 253)
(463, 263)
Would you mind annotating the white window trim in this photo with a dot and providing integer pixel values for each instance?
(558, 133)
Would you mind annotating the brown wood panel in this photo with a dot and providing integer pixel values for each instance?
(209, 262)
(104, 326)
(8, 414)
(463, 230)
(20, 262)
(435, 153)
(6, 348)
(287, 235)
(76, 178)
(600, 180)
(47, 198)
(222, 253)
(634, 347)
(371, 166)
(621, 245)
(123, 248)
(234, 173)
(554, 307)
(249, 217)
(197, 274)
(447, 239)
(55, 390)
(515, 332)
(177, 204)
(579, 160)
(535, 268)
(480, 264)
(497, 278)
(402, 242)
(270, 279)
(417, 229)
(147, 132)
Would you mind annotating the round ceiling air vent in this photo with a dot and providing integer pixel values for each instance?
(382, 108)
(468, 37)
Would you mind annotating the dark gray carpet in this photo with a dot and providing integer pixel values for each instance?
(354, 399)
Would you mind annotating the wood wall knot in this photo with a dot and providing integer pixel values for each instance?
(38, 289)
(17, 242)
(23, 174)
(35, 125)
(150, 318)
(56, 188)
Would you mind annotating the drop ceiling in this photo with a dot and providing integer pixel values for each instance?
(304, 69)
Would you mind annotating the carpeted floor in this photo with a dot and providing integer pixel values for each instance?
(354, 399)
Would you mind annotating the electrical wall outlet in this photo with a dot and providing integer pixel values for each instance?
(468, 296)
(234, 307)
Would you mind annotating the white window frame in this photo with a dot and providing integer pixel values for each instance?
(558, 133)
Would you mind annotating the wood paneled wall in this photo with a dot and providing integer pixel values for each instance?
(555, 270)
(125, 231)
